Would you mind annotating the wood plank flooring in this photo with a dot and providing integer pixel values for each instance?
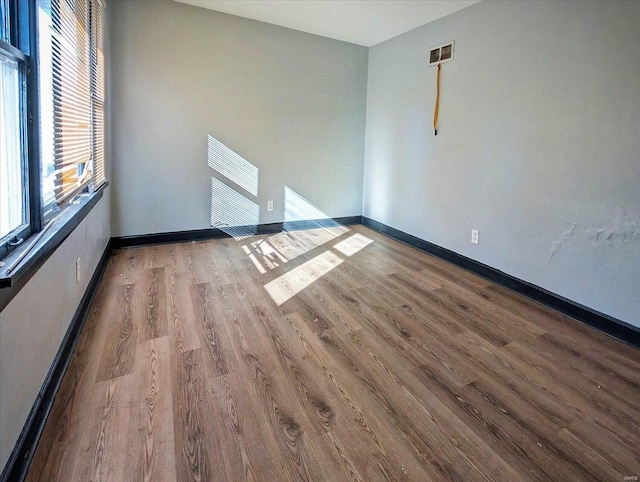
(333, 354)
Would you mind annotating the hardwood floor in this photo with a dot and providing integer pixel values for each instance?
(333, 354)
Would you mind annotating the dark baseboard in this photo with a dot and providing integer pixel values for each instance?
(612, 326)
(212, 233)
(20, 458)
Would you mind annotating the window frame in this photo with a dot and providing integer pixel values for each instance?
(40, 240)
(22, 32)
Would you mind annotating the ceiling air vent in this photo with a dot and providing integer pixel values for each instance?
(441, 53)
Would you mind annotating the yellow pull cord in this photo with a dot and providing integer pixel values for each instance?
(437, 107)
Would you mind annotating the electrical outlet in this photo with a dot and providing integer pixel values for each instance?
(269, 205)
(78, 270)
(475, 234)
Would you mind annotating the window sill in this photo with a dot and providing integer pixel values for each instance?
(69, 219)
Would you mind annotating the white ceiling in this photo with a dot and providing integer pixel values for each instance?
(363, 22)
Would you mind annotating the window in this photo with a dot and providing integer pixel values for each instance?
(52, 117)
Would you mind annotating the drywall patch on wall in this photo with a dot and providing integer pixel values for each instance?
(566, 236)
(620, 231)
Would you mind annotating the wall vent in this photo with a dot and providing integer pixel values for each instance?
(441, 53)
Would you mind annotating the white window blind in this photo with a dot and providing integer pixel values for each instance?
(76, 91)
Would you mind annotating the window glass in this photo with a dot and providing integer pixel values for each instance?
(48, 175)
(5, 23)
(12, 175)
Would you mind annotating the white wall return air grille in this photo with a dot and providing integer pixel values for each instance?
(441, 54)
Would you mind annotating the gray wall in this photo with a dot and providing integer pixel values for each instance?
(33, 324)
(291, 103)
(538, 146)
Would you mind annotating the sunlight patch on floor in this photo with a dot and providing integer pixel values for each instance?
(353, 244)
(266, 249)
(254, 260)
(293, 282)
(292, 244)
